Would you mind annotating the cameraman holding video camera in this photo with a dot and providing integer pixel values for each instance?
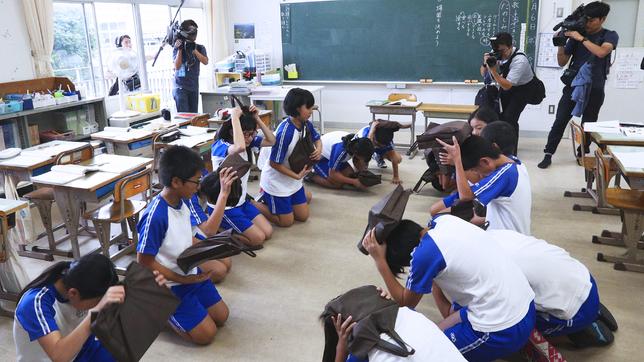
(587, 42)
(515, 71)
(187, 55)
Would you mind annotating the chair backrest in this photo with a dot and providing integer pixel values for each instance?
(604, 165)
(578, 140)
(132, 185)
(398, 96)
(200, 120)
(75, 156)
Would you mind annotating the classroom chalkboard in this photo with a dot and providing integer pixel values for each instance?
(400, 40)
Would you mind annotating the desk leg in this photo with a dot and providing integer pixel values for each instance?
(411, 153)
(70, 211)
(632, 260)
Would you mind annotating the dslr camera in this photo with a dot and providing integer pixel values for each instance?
(495, 54)
(573, 22)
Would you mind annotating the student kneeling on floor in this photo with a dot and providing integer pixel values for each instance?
(502, 183)
(165, 231)
(333, 170)
(283, 199)
(491, 313)
(383, 142)
(566, 295)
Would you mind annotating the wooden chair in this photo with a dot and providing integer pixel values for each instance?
(157, 148)
(588, 163)
(631, 205)
(605, 170)
(405, 96)
(43, 197)
(123, 210)
(200, 120)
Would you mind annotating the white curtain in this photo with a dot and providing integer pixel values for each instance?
(39, 18)
(221, 29)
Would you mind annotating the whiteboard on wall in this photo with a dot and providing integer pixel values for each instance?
(626, 68)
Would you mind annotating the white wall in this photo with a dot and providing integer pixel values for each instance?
(16, 63)
(345, 102)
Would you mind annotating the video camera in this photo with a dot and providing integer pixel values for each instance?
(573, 22)
(175, 32)
(495, 54)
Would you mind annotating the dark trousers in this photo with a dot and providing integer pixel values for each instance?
(564, 114)
(513, 104)
(186, 100)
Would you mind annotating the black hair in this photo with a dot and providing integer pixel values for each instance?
(247, 121)
(596, 9)
(476, 147)
(119, 40)
(401, 242)
(361, 147)
(330, 338)
(503, 134)
(178, 161)
(210, 187)
(485, 114)
(91, 275)
(296, 98)
(187, 23)
(503, 38)
(384, 136)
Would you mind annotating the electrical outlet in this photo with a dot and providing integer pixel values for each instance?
(551, 109)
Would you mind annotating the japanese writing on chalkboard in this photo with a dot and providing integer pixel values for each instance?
(285, 21)
(439, 16)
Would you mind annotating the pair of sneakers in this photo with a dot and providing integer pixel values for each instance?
(597, 334)
(379, 160)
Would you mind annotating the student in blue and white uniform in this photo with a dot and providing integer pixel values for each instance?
(491, 312)
(52, 320)
(338, 148)
(165, 231)
(566, 295)
(383, 142)
(239, 136)
(283, 197)
(429, 343)
(502, 183)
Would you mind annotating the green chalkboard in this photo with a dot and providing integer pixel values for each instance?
(400, 40)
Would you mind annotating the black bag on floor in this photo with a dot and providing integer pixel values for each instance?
(444, 132)
(367, 178)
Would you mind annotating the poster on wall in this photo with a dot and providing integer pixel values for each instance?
(626, 68)
(244, 37)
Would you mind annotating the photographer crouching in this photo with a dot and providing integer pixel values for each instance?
(589, 45)
(515, 71)
(188, 56)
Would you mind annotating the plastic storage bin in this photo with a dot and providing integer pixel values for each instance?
(12, 106)
(2, 107)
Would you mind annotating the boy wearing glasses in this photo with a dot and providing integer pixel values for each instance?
(239, 136)
(165, 231)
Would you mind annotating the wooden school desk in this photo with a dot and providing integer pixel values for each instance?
(630, 160)
(446, 111)
(8, 209)
(400, 110)
(89, 188)
(134, 142)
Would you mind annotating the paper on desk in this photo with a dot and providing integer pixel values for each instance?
(404, 103)
(603, 127)
(192, 141)
(630, 159)
(56, 177)
(25, 160)
(193, 131)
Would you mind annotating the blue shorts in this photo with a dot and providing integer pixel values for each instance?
(322, 167)
(489, 346)
(195, 301)
(587, 313)
(381, 151)
(93, 350)
(283, 205)
(239, 218)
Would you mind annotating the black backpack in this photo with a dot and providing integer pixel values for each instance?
(534, 91)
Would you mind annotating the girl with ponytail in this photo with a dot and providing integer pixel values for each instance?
(53, 310)
(333, 171)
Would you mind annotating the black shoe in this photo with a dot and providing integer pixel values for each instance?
(547, 160)
(595, 335)
(607, 317)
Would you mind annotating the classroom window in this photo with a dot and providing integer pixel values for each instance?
(85, 33)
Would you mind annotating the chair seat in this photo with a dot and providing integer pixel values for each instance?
(112, 211)
(589, 163)
(43, 193)
(625, 199)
